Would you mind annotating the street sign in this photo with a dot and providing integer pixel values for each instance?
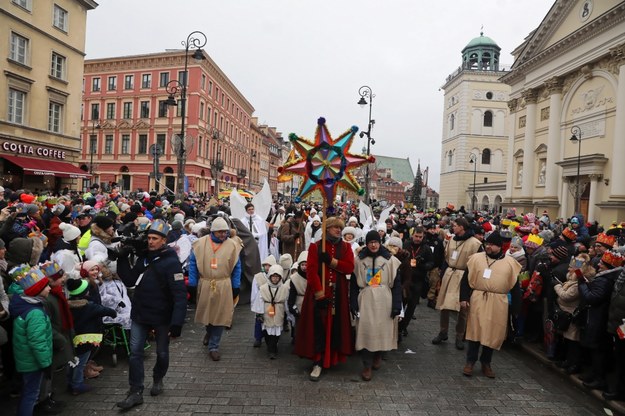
(155, 150)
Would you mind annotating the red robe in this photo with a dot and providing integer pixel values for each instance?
(321, 335)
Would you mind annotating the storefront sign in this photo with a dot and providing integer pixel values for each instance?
(25, 149)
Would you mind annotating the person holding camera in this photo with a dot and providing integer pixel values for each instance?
(159, 303)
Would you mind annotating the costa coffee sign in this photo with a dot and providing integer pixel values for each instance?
(25, 149)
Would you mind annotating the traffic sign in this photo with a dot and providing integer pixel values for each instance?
(155, 150)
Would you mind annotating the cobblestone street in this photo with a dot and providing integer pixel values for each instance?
(426, 382)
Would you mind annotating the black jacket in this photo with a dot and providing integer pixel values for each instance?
(160, 297)
(88, 319)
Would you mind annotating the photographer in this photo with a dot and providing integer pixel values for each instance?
(159, 303)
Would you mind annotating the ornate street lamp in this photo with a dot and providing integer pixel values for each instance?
(95, 125)
(365, 92)
(577, 137)
(473, 161)
(195, 40)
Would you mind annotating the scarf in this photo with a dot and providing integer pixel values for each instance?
(67, 320)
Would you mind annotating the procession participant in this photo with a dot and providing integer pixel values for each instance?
(215, 268)
(159, 303)
(489, 277)
(297, 288)
(256, 303)
(258, 227)
(324, 328)
(274, 294)
(457, 253)
(375, 300)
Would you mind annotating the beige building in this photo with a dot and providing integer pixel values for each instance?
(474, 143)
(568, 79)
(42, 70)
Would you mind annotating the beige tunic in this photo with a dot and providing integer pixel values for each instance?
(375, 329)
(280, 295)
(214, 291)
(449, 295)
(488, 311)
(300, 287)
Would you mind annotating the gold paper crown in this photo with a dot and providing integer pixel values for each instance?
(533, 239)
(605, 239)
(571, 235)
(612, 258)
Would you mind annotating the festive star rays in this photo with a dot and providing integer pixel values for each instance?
(326, 163)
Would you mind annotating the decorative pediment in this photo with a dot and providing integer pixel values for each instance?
(141, 124)
(542, 148)
(107, 125)
(124, 124)
(518, 153)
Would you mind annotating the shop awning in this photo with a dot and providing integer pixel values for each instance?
(47, 167)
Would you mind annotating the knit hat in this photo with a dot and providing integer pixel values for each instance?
(179, 216)
(219, 224)
(335, 222)
(286, 261)
(33, 282)
(86, 266)
(129, 217)
(159, 227)
(560, 252)
(315, 218)
(270, 260)
(546, 235)
(176, 225)
(352, 219)
(516, 242)
(197, 227)
(124, 207)
(103, 222)
(70, 232)
(495, 239)
(27, 198)
(395, 242)
(372, 236)
(77, 287)
(31, 209)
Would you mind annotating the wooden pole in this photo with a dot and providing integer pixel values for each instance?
(323, 243)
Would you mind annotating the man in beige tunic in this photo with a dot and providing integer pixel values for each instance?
(457, 252)
(491, 276)
(216, 269)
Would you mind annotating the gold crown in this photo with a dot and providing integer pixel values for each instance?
(534, 239)
(570, 235)
(612, 258)
(608, 240)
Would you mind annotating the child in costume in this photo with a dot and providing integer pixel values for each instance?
(88, 330)
(274, 295)
(256, 302)
(297, 288)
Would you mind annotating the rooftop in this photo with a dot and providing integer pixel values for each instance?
(401, 168)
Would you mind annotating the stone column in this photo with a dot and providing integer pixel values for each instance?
(512, 106)
(554, 86)
(529, 143)
(564, 198)
(617, 181)
(593, 197)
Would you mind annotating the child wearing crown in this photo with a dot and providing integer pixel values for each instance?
(32, 332)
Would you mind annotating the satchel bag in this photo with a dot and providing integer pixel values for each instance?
(561, 319)
(580, 316)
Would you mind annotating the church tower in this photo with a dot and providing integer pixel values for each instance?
(474, 140)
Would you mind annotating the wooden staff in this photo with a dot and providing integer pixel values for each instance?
(323, 243)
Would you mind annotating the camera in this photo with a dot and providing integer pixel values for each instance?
(137, 242)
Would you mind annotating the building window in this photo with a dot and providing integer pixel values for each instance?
(162, 108)
(179, 108)
(199, 147)
(450, 158)
(17, 101)
(145, 109)
(95, 111)
(110, 111)
(488, 119)
(143, 144)
(55, 114)
(128, 82)
(108, 144)
(201, 115)
(95, 84)
(146, 80)
(112, 83)
(160, 140)
(210, 87)
(182, 79)
(208, 116)
(452, 122)
(93, 144)
(127, 111)
(486, 157)
(60, 18)
(57, 67)
(19, 48)
(25, 4)
(489, 95)
(163, 79)
(125, 144)
(203, 81)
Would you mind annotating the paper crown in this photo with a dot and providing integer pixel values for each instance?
(18, 271)
(33, 281)
(612, 258)
(51, 269)
(533, 241)
(159, 227)
(569, 234)
(607, 240)
(505, 222)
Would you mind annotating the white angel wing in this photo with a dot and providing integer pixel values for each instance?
(366, 215)
(385, 213)
(262, 201)
(237, 204)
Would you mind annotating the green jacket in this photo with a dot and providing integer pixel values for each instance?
(32, 333)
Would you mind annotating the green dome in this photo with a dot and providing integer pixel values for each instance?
(482, 41)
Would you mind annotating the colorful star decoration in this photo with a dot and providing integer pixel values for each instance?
(326, 163)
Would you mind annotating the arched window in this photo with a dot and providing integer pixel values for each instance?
(486, 157)
(450, 157)
(452, 122)
(488, 119)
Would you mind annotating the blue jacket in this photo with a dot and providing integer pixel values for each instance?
(160, 297)
(235, 277)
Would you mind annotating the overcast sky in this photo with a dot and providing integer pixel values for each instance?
(296, 60)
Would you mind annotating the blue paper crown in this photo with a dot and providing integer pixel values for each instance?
(33, 276)
(18, 271)
(50, 269)
(160, 227)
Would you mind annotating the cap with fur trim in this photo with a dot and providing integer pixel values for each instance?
(335, 222)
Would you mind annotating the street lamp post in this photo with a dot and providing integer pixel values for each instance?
(195, 40)
(473, 161)
(95, 125)
(577, 137)
(365, 92)
(217, 166)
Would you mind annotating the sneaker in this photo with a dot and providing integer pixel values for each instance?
(459, 344)
(157, 387)
(133, 399)
(315, 373)
(439, 338)
(82, 388)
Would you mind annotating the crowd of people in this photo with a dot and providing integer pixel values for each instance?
(347, 280)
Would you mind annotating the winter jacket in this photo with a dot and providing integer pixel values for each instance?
(87, 320)
(160, 296)
(32, 333)
(617, 304)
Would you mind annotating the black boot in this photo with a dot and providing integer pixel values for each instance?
(157, 387)
(134, 398)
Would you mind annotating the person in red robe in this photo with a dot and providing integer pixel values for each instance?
(324, 332)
